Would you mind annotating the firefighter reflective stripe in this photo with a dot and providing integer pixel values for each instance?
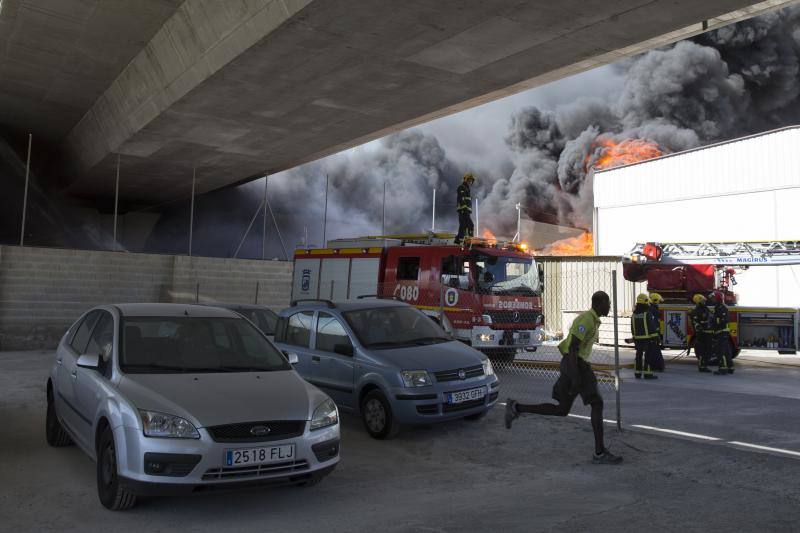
(640, 329)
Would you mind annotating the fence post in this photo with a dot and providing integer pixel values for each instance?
(197, 293)
(617, 381)
(258, 283)
(25, 196)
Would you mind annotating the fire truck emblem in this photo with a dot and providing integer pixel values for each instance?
(451, 297)
(305, 281)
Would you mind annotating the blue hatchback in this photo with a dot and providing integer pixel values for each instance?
(387, 361)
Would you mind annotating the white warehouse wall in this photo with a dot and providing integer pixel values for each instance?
(743, 190)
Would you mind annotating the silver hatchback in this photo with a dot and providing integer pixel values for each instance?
(171, 398)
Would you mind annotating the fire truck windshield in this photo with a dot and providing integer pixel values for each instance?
(504, 274)
(391, 327)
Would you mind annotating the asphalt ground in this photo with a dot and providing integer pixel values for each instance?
(459, 476)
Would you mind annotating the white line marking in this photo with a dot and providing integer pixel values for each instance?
(765, 448)
(589, 418)
(674, 432)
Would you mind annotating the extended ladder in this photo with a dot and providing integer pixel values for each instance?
(754, 253)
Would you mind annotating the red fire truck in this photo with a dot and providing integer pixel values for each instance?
(678, 271)
(486, 293)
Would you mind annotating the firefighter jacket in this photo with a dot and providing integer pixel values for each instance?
(464, 199)
(644, 324)
(701, 319)
(720, 318)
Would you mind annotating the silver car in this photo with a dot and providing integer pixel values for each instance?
(170, 398)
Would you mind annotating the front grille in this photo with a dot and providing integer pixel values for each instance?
(448, 408)
(254, 471)
(278, 430)
(452, 375)
(515, 318)
(430, 409)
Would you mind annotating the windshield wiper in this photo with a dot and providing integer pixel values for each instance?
(383, 344)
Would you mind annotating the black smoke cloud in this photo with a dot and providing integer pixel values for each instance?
(735, 81)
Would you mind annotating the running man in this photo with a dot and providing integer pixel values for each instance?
(577, 378)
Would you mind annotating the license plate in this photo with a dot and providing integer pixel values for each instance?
(524, 337)
(466, 395)
(256, 456)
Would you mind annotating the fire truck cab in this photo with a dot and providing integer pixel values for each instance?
(485, 293)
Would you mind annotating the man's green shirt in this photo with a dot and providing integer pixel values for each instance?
(584, 328)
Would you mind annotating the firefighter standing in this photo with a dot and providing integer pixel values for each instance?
(645, 335)
(656, 357)
(721, 341)
(464, 208)
(703, 331)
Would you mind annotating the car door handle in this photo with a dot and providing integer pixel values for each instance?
(74, 374)
(315, 358)
(58, 361)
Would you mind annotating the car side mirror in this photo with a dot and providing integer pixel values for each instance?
(292, 357)
(89, 361)
(343, 349)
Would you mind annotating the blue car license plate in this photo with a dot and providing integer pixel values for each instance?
(466, 395)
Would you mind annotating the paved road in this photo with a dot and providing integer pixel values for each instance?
(759, 404)
(456, 477)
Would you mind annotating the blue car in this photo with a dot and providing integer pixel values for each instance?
(387, 361)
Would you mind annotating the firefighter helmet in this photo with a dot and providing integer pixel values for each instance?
(642, 299)
(698, 298)
(469, 176)
(656, 298)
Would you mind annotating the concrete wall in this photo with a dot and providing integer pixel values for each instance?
(43, 290)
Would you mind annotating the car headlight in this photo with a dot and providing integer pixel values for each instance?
(416, 378)
(485, 337)
(166, 426)
(488, 369)
(325, 415)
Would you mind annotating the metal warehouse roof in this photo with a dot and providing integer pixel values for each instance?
(764, 162)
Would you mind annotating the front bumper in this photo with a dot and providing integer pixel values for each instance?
(316, 455)
(429, 404)
(486, 337)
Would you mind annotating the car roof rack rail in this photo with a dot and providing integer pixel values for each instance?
(378, 297)
(329, 303)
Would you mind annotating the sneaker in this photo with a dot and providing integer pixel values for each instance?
(606, 458)
(511, 412)
(650, 376)
(637, 376)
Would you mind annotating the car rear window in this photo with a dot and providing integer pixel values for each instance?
(196, 344)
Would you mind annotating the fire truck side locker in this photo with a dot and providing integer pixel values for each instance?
(335, 278)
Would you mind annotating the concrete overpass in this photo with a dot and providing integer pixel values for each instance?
(237, 88)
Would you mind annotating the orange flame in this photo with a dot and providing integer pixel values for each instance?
(616, 154)
(580, 245)
(488, 235)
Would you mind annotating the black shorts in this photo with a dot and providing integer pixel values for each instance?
(562, 390)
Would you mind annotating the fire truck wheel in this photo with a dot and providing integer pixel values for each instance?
(501, 355)
(376, 414)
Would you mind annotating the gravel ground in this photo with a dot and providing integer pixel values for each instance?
(460, 476)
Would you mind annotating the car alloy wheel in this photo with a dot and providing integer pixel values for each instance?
(112, 495)
(375, 415)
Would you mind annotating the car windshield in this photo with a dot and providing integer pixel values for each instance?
(387, 327)
(264, 319)
(503, 273)
(196, 344)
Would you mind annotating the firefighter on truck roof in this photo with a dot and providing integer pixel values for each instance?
(464, 208)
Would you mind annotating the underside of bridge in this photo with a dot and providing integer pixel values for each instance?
(239, 88)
